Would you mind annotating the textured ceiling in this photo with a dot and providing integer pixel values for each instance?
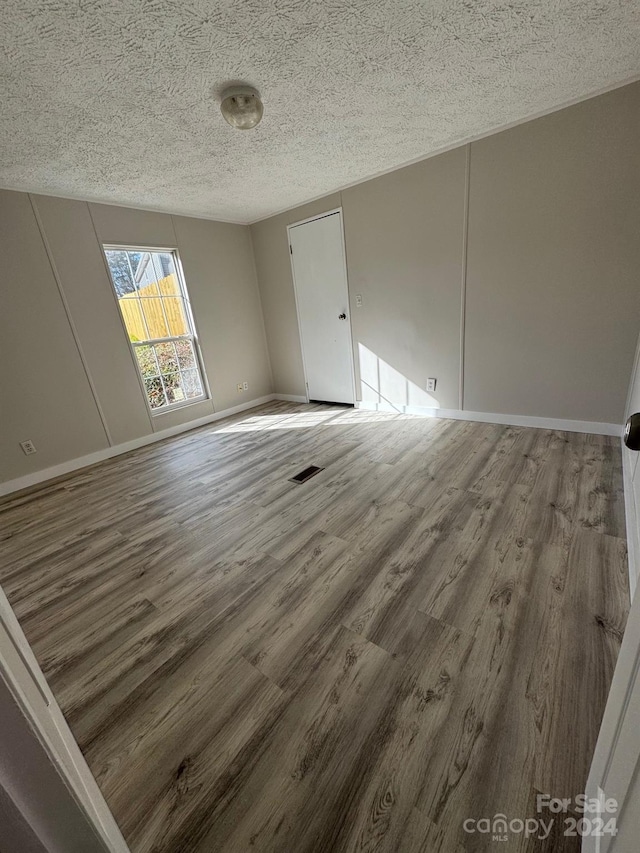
(114, 100)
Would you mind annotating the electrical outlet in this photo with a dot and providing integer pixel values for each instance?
(431, 384)
(245, 386)
(240, 388)
(28, 447)
(358, 300)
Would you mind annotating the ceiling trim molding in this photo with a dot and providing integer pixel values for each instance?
(458, 144)
(86, 200)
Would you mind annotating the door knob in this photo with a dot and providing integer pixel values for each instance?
(342, 316)
(632, 432)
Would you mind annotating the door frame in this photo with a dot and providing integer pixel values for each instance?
(21, 674)
(610, 744)
(323, 215)
(622, 711)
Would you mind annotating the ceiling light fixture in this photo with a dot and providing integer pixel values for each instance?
(241, 107)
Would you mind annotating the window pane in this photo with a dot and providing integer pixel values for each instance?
(147, 361)
(164, 270)
(191, 384)
(169, 286)
(167, 359)
(174, 309)
(150, 289)
(173, 384)
(132, 316)
(154, 315)
(186, 355)
(145, 275)
(166, 263)
(155, 392)
(121, 266)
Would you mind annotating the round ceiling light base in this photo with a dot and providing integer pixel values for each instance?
(241, 107)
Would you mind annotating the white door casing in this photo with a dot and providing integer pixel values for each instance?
(32, 697)
(615, 769)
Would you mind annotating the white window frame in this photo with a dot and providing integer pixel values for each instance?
(193, 336)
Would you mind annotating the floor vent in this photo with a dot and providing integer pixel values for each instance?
(305, 475)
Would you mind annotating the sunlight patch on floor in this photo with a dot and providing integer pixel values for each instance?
(306, 420)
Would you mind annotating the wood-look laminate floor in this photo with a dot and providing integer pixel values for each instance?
(422, 633)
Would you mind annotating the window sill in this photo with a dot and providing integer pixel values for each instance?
(165, 410)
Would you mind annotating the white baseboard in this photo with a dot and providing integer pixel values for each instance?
(100, 455)
(485, 417)
(495, 418)
(632, 519)
(291, 398)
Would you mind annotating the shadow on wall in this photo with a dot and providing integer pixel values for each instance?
(386, 388)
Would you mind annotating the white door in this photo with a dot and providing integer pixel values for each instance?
(320, 277)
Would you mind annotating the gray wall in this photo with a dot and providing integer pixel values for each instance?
(552, 292)
(404, 250)
(44, 392)
(73, 386)
(553, 286)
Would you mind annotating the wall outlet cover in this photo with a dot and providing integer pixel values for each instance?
(431, 384)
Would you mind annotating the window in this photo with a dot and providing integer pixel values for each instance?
(156, 313)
